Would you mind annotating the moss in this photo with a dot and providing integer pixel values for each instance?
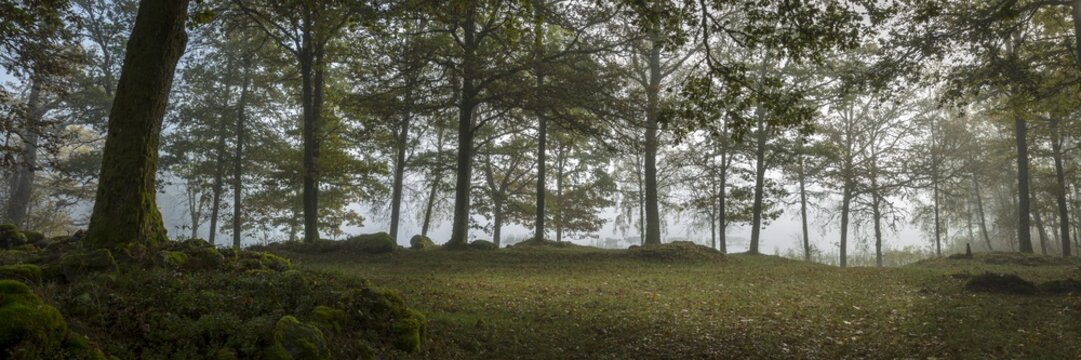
(410, 331)
(34, 237)
(675, 251)
(206, 258)
(482, 245)
(74, 265)
(261, 261)
(275, 262)
(421, 242)
(378, 243)
(28, 323)
(174, 259)
(22, 272)
(294, 340)
(327, 318)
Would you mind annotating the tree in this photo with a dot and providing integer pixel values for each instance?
(125, 211)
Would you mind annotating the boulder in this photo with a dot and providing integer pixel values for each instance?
(421, 242)
(294, 340)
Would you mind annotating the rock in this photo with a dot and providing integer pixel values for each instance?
(482, 245)
(408, 327)
(294, 340)
(74, 265)
(22, 272)
(409, 331)
(262, 261)
(421, 242)
(28, 323)
(174, 259)
(378, 243)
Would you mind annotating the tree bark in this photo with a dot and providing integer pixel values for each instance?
(759, 181)
(399, 175)
(653, 220)
(1024, 237)
(1040, 229)
(459, 235)
(876, 212)
(125, 211)
(542, 126)
(980, 212)
(846, 200)
(238, 156)
(218, 187)
(1060, 188)
(22, 183)
(802, 175)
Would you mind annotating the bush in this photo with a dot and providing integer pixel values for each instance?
(22, 272)
(421, 242)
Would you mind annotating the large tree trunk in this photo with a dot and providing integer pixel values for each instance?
(542, 125)
(653, 220)
(399, 176)
(759, 181)
(497, 229)
(238, 156)
(722, 205)
(459, 233)
(125, 210)
(22, 183)
(1060, 188)
(311, 82)
(1024, 237)
(436, 181)
(876, 212)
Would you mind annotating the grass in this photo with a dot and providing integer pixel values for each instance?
(562, 303)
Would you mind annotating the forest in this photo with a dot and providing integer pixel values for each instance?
(540, 179)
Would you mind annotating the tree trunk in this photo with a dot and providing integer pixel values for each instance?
(238, 156)
(311, 80)
(979, 211)
(934, 185)
(22, 183)
(218, 187)
(560, 173)
(459, 234)
(1060, 189)
(846, 200)
(542, 126)
(1040, 229)
(399, 176)
(803, 208)
(497, 230)
(653, 220)
(759, 182)
(722, 206)
(436, 181)
(876, 212)
(125, 210)
(1024, 237)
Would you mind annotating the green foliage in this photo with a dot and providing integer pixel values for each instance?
(10, 236)
(328, 319)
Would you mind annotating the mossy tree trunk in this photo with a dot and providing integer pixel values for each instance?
(125, 211)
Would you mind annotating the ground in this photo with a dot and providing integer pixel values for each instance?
(561, 303)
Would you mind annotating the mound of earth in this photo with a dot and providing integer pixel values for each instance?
(676, 250)
(999, 258)
(1000, 284)
(533, 242)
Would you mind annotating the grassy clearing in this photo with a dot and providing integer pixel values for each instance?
(543, 303)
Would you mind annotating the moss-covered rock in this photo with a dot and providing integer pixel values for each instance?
(262, 261)
(21, 272)
(328, 319)
(10, 236)
(173, 259)
(408, 327)
(421, 242)
(75, 265)
(34, 237)
(28, 324)
(378, 243)
(294, 340)
(482, 245)
(410, 330)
